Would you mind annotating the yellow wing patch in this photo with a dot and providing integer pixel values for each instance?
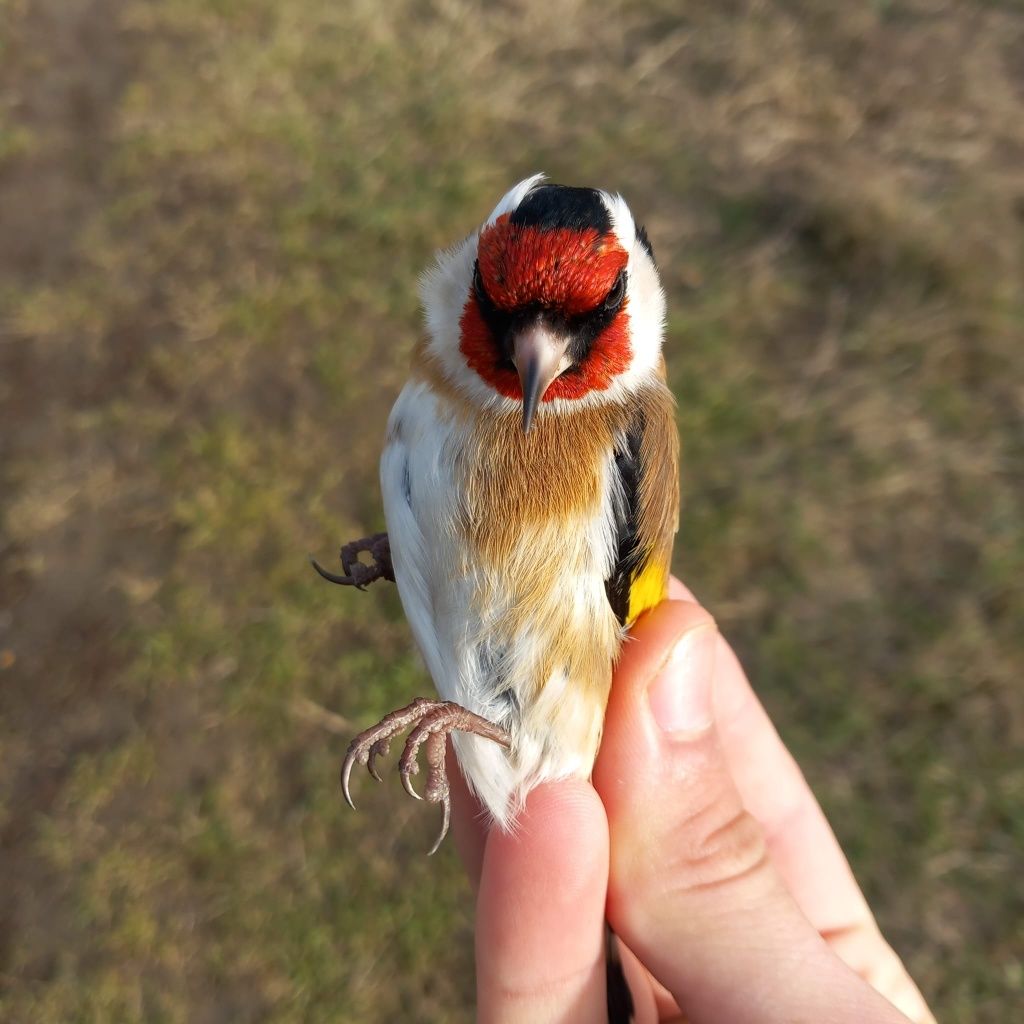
(649, 588)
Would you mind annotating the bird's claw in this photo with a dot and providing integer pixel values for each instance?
(357, 574)
(379, 749)
(432, 723)
(408, 786)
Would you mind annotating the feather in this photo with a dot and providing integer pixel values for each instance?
(502, 544)
(647, 517)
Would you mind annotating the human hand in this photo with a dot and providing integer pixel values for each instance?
(705, 848)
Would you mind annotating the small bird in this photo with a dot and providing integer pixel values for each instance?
(530, 484)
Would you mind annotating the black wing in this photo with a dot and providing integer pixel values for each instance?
(629, 555)
(647, 508)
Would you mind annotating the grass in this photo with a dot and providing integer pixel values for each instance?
(214, 215)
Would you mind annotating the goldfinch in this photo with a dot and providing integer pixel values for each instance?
(530, 485)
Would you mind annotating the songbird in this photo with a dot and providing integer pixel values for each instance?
(530, 484)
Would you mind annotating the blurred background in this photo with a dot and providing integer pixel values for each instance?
(212, 218)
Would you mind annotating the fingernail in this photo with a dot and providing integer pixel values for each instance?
(680, 694)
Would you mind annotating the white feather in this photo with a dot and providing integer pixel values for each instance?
(451, 603)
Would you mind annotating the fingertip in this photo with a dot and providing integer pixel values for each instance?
(652, 637)
(679, 591)
(630, 738)
(540, 912)
(561, 830)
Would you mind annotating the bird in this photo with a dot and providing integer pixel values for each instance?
(531, 494)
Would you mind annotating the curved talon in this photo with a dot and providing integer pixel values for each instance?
(346, 559)
(346, 775)
(333, 577)
(379, 749)
(408, 786)
(445, 821)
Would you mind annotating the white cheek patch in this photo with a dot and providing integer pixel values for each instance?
(646, 314)
(444, 291)
(646, 298)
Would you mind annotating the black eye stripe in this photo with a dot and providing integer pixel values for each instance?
(500, 322)
(586, 329)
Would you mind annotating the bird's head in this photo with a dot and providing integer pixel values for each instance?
(554, 302)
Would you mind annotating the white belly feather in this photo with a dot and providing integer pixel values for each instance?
(453, 602)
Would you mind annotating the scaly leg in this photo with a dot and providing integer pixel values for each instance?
(432, 721)
(359, 575)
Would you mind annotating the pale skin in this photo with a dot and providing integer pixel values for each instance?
(701, 843)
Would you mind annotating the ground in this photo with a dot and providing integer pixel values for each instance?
(212, 217)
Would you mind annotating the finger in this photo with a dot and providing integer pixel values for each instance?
(679, 591)
(469, 821)
(540, 932)
(800, 840)
(691, 888)
(774, 790)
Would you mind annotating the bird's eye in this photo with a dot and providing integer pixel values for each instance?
(614, 298)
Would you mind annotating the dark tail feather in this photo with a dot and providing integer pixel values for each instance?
(620, 999)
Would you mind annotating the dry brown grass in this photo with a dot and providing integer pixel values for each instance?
(211, 219)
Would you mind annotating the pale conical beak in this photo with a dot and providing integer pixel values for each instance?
(540, 356)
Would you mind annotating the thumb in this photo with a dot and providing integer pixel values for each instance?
(692, 890)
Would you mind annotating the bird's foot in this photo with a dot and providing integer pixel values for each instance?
(432, 721)
(357, 574)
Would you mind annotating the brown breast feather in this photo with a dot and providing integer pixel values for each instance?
(528, 497)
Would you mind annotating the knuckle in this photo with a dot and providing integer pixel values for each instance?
(714, 849)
